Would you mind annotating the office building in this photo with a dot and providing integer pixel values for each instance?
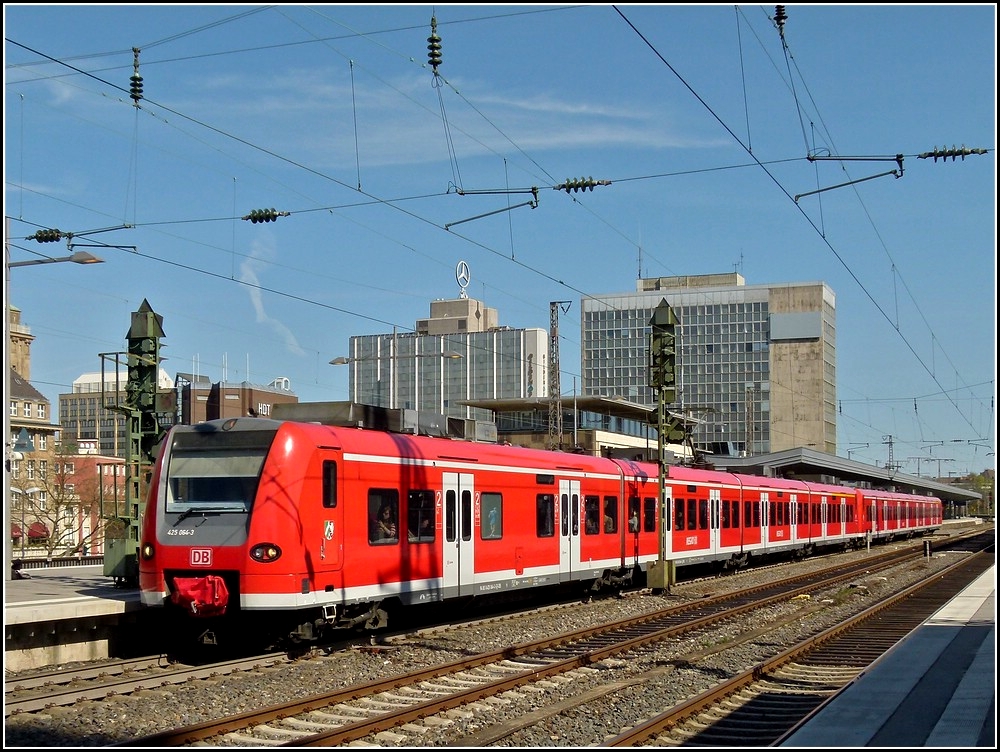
(458, 353)
(87, 415)
(200, 399)
(756, 364)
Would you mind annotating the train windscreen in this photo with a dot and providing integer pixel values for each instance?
(205, 473)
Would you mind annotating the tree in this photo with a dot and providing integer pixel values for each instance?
(65, 492)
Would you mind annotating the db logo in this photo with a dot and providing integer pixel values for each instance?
(201, 557)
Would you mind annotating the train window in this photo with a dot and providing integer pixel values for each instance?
(383, 516)
(591, 515)
(610, 514)
(633, 514)
(575, 504)
(692, 514)
(755, 508)
(678, 514)
(564, 514)
(420, 517)
(450, 512)
(329, 484)
(545, 508)
(736, 513)
(466, 515)
(725, 514)
(703, 514)
(492, 526)
(545, 480)
(649, 514)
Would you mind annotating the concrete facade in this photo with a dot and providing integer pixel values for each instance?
(457, 354)
(756, 364)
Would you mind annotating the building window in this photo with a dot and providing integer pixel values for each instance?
(13, 409)
(40, 410)
(43, 442)
(26, 409)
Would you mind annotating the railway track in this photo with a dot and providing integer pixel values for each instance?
(765, 704)
(394, 709)
(69, 686)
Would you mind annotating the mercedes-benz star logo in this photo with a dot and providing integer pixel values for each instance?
(463, 276)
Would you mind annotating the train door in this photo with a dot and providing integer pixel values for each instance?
(458, 539)
(666, 521)
(569, 528)
(714, 502)
(793, 517)
(330, 552)
(765, 529)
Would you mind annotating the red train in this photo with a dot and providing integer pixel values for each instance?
(295, 530)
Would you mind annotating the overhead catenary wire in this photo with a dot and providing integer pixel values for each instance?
(378, 201)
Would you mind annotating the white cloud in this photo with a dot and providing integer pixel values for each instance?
(249, 275)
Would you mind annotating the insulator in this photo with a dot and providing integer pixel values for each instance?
(264, 215)
(46, 236)
(434, 46)
(780, 16)
(135, 90)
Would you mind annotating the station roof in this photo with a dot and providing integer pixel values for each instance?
(618, 407)
(808, 464)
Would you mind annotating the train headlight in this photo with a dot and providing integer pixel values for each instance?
(146, 551)
(265, 553)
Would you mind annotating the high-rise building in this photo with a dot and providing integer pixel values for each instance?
(755, 364)
(86, 415)
(458, 353)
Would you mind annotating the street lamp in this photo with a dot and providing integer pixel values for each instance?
(394, 359)
(78, 257)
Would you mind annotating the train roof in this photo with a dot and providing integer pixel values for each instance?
(801, 464)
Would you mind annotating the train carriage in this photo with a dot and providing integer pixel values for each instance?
(294, 530)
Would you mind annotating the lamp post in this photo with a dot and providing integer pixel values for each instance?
(78, 257)
(394, 359)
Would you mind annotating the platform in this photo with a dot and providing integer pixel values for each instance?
(936, 688)
(65, 614)
(64, 592)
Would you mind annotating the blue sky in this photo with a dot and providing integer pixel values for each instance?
(700, 116)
